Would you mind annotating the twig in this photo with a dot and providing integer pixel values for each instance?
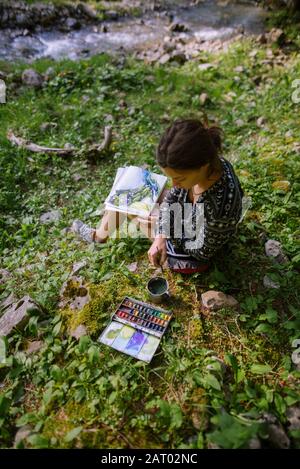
(106, 141)
(21, 142)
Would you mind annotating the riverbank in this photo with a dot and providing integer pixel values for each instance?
(221, 379)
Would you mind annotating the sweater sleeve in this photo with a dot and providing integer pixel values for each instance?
(215, 234)
(165, 223)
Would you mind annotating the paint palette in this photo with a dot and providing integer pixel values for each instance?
(136, 328)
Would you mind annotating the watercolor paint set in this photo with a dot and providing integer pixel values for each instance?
(136, 328)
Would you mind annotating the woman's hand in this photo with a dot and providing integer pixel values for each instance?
(157, 253)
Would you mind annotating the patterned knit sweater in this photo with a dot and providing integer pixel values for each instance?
(222, 204)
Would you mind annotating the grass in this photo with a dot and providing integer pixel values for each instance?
(81, 394)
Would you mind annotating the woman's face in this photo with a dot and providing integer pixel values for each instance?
(186, 178)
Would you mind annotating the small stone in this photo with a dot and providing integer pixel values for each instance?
(269, 283)
(132, 267)
(239, 69)
(77, 177)
(273, 249)
(254, 443)
(260, 121)
(277, 437)
(87, 10)
(34, 346)
(45, 126)
(50, 217)
(72, 23)
(293, 417)
(4, 276)
(276, 35)
(296, 147)
(78, 266)
(239, 123)
(108, 118)
(21, 434)
(203, 98)
(164, 59)
(80, 331)
(215, 300)
(205, 66)
(32, 78)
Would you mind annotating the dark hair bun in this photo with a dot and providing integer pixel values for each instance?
(216, 134)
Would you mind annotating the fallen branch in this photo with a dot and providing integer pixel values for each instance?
(67, 150)
(22, 143)
(106, 141)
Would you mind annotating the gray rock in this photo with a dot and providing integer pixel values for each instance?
(269, 283)
(50, 217)
(254, 443)
(277, 437)
(164, 59)
(274, 250)
(21, 434)
(215, 300)
(80, 331)
(32, 78)
(87, 10)
(17, 315)
(132, 267)
(293, 417)
(34, 346)
(206, 66)
(77, 266)
(74, 293)
(4, 276)
(72, 23)
(260, 121)
(9, 300)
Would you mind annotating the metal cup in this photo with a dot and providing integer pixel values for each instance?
(158, 289)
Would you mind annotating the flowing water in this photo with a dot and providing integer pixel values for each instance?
(209, 20)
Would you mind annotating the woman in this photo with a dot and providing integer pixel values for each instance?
(189, 152)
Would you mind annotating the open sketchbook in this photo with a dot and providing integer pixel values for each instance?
(135, 190)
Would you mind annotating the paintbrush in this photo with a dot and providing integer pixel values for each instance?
(161, 268)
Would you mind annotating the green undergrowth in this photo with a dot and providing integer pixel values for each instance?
(215, 374)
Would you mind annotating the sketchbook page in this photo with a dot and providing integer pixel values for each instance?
(136, 191)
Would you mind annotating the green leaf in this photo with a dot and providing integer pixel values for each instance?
(212, 382)
(263, 329)
(259, 369)
(280, 404)
(71, 435)
(56, 328)
(3, 347)
(38, 441)
(232, 361)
